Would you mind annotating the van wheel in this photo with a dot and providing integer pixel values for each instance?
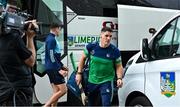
(140, 102)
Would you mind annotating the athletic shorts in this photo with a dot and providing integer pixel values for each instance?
(55, 77)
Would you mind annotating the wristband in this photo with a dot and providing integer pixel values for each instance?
(119, 78)
(80, 73)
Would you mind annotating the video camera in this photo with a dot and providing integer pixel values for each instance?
(14, 21)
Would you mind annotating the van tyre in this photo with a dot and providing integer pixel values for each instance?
(140, 102)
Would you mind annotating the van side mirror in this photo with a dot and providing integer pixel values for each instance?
(152, 31)
(145, 51)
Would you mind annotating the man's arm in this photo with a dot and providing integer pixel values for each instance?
(80, 67)
(30, 45)
(119, 73)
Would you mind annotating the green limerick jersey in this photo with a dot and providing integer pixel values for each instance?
(102, 62)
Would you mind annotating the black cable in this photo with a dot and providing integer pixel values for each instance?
(15, 90)
(14, 97)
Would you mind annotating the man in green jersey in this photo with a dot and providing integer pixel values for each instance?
(105, 64)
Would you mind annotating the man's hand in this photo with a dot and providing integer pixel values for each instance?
(64, 73)
(65, 68)
(30, 32)
(119, 83)
(78, 78)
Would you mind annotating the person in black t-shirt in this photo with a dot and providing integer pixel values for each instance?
(16, 60)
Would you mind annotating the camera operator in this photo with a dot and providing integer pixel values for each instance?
(16, 60)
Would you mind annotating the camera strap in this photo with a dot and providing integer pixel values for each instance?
(11, 85)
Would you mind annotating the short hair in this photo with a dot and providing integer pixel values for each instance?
(55, 25)
(104, 29)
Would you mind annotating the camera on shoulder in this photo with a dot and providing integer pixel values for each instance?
(14, 21)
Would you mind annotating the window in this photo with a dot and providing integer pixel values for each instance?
(176, 41)
(163, 41)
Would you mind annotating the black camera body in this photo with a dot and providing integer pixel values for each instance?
(15, 21)
(12, 21)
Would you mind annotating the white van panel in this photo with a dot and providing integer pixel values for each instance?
(154, 77)
(134, 23)
(133, 81)
(151, 73)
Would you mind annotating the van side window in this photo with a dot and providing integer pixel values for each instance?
(175, 50)
(163, 41)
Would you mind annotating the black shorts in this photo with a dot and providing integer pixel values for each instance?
(55, 77)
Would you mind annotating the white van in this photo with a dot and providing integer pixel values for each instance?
(152, 76)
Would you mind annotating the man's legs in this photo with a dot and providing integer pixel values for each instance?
(62, 89)
(55, 90)
(93, 95)
(94, 98)
(58, 85)
(106, 90)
